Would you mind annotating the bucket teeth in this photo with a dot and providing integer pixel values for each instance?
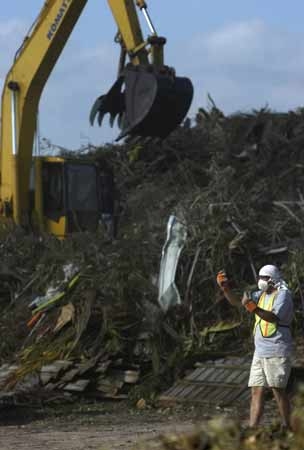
(95, 110)
(101, 108)
(100, 119)
(120, 120)
(112, 120)
(113, 103)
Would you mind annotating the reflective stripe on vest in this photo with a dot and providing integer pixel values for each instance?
(268, 329)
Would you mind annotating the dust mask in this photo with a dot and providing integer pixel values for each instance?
(263, 285)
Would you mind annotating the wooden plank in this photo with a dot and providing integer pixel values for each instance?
(176, 390)
(201, 374)
(224, 366)
(226, 396)
(221, 375)
(78, 386)
(185, 383)
(220, 384)
(233, 398)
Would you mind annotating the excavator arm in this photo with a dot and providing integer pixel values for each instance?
(144, 88)
(20, 98)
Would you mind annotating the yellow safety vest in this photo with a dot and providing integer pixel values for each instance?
(268, 329)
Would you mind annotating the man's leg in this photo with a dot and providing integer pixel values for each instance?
(277, 372)
(257, 405)
(283, 404)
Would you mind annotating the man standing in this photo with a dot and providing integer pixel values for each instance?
(272, 306)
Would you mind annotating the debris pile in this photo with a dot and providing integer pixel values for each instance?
(82, 315)
(71, 335)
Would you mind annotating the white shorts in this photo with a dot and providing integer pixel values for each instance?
(270, 372)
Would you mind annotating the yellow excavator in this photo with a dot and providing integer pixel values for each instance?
(63, 195)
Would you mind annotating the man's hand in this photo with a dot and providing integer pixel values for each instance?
(226, 287)
(222, 280)
(249, 304)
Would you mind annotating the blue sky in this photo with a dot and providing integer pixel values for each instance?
(246, 54)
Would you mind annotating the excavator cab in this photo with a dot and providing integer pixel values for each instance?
(70, 195)
(148, 98)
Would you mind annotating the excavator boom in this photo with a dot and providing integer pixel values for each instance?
(147, 97)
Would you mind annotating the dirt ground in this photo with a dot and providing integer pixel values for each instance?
(111, 425)
(100, 426)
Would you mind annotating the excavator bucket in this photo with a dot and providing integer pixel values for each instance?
(151, 104)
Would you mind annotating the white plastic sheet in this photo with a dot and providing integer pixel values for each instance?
(168, 294)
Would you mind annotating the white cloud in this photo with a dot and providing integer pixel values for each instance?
(245, 65)
(235, 43)
(10, 28)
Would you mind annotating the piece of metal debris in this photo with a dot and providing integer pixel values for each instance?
(168, 294)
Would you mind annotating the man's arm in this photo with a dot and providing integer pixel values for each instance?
(248, 303)
(232, 298)
(223, 284)
(252, 307)
(266, 315)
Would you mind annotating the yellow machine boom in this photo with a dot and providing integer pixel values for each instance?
(145, 90)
